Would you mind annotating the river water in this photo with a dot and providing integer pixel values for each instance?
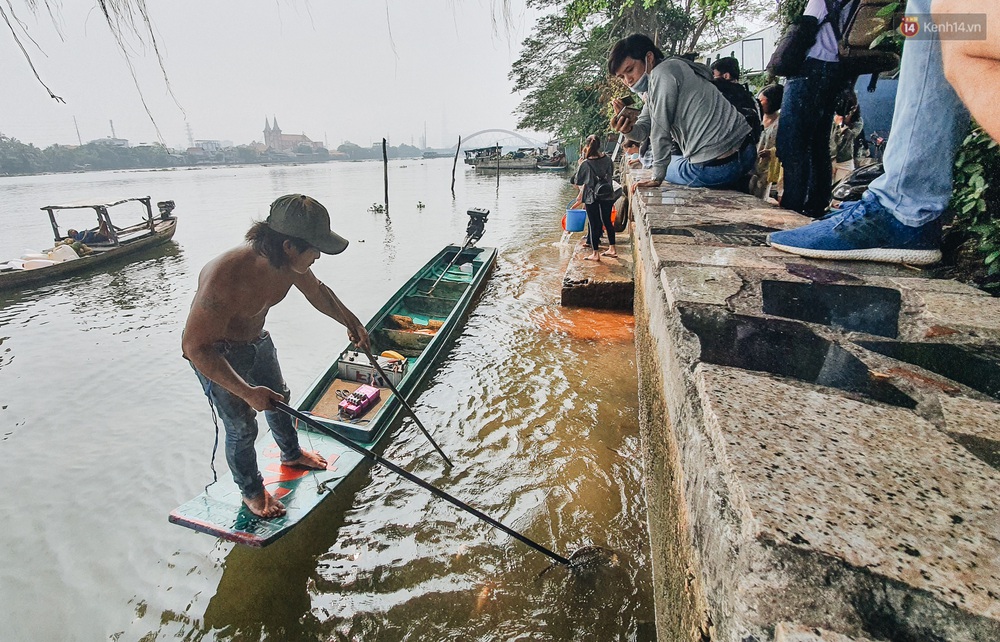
(104, 430)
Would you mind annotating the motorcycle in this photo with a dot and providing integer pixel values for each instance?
(854, 184)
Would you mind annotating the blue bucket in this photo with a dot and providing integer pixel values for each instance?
(575, 219)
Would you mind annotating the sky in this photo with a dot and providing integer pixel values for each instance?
(355, 70)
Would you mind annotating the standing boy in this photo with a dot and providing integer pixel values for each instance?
(232, 354)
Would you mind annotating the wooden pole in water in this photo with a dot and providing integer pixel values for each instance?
(499, 150)
(454, 164)
(385, 174)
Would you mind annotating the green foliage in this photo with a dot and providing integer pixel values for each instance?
(562, 69)
(890, 39)
(789, 10)
(975, 201)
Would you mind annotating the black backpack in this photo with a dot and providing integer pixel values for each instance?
(744, 102)
(858, 24)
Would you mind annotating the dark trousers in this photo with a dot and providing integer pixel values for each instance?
(598, 216)
(803, 142)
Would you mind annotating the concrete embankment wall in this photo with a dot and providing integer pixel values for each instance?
(822, 439)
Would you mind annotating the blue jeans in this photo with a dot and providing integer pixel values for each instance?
(928, 126)
(803, 141)
(257, 363)
(681, 171)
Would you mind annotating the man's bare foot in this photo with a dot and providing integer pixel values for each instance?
(610, 253)
(265, 506)
(593, 257)
(308, 459)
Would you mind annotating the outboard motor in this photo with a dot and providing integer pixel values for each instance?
(477, 225)
(166, 209)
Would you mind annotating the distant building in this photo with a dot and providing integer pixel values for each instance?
(208, 145)
(111, 142)
(753, 51)
(275, 140)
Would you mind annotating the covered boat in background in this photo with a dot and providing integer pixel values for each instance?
(98, 246)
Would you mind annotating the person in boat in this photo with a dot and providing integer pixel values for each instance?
(233, 356)
(100, 235)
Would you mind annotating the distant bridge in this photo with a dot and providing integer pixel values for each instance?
(504, 137)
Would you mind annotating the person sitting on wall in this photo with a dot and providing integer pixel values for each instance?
(683, 106)
(768, 169)
(631, 148)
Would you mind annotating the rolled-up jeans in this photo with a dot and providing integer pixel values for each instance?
(257, 363)
(928, 125)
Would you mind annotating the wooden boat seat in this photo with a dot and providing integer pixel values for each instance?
(431, 306)
(444, 289)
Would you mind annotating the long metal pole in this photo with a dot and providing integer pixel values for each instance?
(406, 405)
(280, 405)
(448, 267)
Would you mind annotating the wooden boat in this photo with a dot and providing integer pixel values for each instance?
(486, 158)
(555, 163)
(415, 325)
(113, 242)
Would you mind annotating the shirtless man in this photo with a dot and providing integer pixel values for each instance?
(232, 354)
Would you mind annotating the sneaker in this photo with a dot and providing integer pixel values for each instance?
(863, 231)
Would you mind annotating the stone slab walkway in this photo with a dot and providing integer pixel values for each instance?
(606, 284)
(822, 438)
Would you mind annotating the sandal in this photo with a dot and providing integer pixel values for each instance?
(610, 253)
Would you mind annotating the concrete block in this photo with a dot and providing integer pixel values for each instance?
(945, 286)
(791, 632)
(972, 417)
(876, 487)
(712, 285)
(737, 257)
(962, 311)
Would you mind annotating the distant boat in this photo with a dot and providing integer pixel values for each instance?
(433, 154)
(552, 163)
(485, 158)
(107, 243)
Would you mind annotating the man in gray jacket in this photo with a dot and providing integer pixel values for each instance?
(683, 111)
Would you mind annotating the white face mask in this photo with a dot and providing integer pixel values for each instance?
(633, 156)
(641, 86)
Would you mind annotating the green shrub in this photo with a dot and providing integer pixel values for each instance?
(975, 202)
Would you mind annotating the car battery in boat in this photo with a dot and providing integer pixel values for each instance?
(358, 402)
(355, 366)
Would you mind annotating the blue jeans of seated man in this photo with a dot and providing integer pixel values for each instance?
(928, 125)
(257, 363)
(681, 171)
(803, 142)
